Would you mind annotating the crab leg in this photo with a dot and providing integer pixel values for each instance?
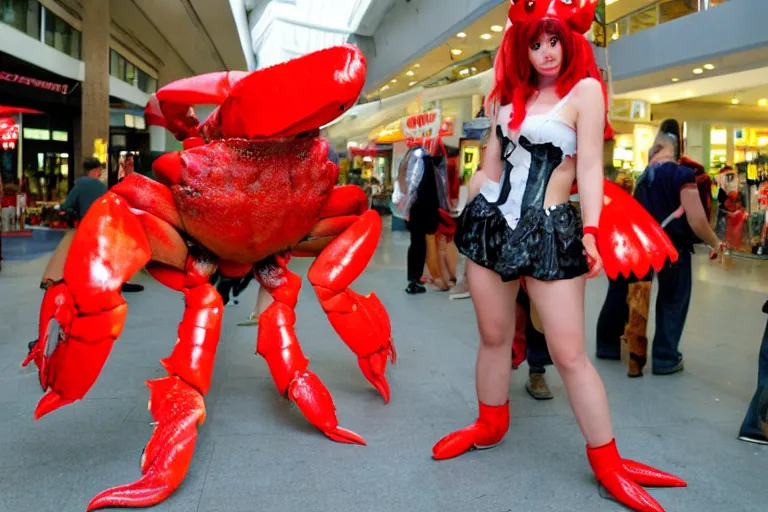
(361, 322)
(176, 402)
(278, 345)
(83, 314)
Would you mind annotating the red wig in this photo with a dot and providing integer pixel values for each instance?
(516, 78)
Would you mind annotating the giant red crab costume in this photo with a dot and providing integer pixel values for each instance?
(252, 186)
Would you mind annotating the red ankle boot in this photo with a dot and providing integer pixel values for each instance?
(623, 478)
(488, 431)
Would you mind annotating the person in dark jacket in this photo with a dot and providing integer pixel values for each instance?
(423, 220)
(668, 191)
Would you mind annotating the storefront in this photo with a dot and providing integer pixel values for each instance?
(738, 158)
(44, 108)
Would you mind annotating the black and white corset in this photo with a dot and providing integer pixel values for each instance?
(530, 157)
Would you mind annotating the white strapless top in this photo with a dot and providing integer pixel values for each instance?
(538, 129)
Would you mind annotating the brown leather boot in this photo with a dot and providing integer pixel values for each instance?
(537, 387)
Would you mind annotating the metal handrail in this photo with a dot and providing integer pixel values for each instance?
(702, 5)
(624, 20)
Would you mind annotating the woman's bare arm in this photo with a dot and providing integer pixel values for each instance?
(590, 125)
(697, 217)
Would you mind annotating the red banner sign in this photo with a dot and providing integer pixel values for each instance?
(34, 82)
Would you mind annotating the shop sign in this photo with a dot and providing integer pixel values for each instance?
(423, 126)
(34, 82)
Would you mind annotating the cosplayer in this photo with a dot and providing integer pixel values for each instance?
(549, 94)
(252, 186)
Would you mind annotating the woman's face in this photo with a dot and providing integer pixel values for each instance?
(546, 55)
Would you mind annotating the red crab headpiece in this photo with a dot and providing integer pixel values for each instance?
(576, 14)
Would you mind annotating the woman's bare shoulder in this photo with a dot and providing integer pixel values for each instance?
(589, 88)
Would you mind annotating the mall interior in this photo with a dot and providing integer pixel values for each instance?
(75, 78)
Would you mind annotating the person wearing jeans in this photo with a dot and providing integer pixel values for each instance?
(755, 426)
(668, 191)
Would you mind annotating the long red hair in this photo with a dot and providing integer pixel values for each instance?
(516, 78)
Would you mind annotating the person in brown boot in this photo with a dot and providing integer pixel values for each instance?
(535, 348)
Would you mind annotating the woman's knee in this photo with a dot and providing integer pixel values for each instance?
(568, 357)
(496, 336)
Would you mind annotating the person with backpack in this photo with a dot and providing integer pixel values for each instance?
(669, 192)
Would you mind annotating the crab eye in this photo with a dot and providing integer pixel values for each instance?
(530, 5)
(566, 2)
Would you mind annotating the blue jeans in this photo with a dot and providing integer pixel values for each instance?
(758, 409)
(672, 303)
(674, 297)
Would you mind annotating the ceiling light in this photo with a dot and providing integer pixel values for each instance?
(698, 71)
(497, 28)
(763, 102)
(615, 36)
(464, 72)
(735, 101)
(656, 98)
(385, 88)
(417, 65)
(485, 36)
(394, 80)
(709, 66)
(675, 79)
(410, 73)
(456, 51)
(688, 93)
(411, 84)
(461, 35)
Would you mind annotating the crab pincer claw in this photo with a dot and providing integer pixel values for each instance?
(374, 367)
(315, 402)
(177, 409)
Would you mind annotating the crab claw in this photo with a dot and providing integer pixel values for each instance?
(374, 367)
(71, 348)
(623, 478)
(630, 239)
(316, 403)
(315, 89)
(177, 409)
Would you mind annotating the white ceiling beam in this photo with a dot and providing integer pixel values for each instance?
(698, 88)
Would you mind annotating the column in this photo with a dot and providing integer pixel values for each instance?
(697, 142)
(94, 122)
(730, 145)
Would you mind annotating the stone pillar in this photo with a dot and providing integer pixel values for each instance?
(94, 122)
(730, 145)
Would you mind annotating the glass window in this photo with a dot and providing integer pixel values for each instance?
(23, 15)
(113, 59)
(121, 68)
(130, 73)
(61, 35)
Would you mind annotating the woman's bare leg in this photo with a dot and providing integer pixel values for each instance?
(54, 271)
(494, 303)
(560, 305)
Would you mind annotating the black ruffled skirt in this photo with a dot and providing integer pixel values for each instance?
(545, 245)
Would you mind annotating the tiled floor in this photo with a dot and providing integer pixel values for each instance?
(257, 453)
